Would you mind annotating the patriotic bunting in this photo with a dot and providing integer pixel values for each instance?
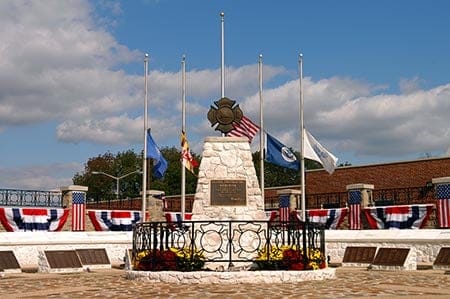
(330, 218)
(114, 220)
(398, 217)
(33, 219)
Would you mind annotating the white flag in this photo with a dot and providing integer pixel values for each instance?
(315, 151)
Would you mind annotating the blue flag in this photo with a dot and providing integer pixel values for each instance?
(279, 154)
(153, 152)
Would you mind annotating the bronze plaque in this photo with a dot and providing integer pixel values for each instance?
(8, 260)
(228, 193)
(93, 256)
(443, 258)
(63, 259)
(391, 256)
(359, 254)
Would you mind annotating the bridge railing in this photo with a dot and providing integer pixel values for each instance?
(30, 198)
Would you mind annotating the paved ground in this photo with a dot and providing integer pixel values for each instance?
(350, 283)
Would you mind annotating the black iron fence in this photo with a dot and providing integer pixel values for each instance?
(403, 196)
(30, 198)
(392, 196)
(228, 242)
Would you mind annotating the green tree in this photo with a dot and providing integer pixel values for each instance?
(101, 187)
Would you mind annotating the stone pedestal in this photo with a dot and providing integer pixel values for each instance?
(366, 193)
(74, 198)
(227, 186)
(154, 205)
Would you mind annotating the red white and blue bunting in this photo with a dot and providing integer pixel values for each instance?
(398, 217)
(16, 219)
(330, 218)
(114, 220)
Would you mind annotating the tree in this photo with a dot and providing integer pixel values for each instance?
(101, 187)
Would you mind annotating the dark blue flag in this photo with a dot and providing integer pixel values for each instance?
(153, 152)
(279, 154)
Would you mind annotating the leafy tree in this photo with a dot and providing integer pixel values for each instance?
(102, 187)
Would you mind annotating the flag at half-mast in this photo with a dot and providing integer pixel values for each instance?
(244, 128)
(186, 157)
(154, 153)
(315, 151)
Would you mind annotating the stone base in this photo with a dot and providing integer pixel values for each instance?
(205, 277)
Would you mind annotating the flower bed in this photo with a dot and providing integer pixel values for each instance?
(185, 259)
(173, 259)
(288, 257)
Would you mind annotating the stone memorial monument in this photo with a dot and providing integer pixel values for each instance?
(227, 186)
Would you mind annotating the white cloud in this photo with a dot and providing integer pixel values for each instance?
(39, 177)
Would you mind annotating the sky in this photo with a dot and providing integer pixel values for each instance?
(376, 79)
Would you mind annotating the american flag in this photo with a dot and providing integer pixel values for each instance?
(78, 211)
(284, 208)
(245, 128)
(443, 204)
(354, 206)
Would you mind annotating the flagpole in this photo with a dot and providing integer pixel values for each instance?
(302, 140)
(144, 158)
(222, 65)
(183, 131)
(261, 124)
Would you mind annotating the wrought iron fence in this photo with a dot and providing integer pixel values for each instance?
(227, 242)
(30, 198)
(403, 196)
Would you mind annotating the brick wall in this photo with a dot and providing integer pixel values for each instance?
(383, 176)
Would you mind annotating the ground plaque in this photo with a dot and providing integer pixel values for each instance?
(363, 255)
(8, 260)
(63, 259)
(96, 256)
(391, 256)
(228, 193)
(443, 257)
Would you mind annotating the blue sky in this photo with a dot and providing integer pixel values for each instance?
(376, 79)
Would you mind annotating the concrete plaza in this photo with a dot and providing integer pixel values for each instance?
(111, 283)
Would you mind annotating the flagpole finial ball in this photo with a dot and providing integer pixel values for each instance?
(222, 14)
(260, 55)
(146, 55)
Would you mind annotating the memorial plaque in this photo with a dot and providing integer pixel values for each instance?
(63, 259)
(359, 254)
(443, 258)
(228, 193)
(391, 256)
(8, 260)
(93, 256)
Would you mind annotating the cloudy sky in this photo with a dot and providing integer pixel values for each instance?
(376, 77)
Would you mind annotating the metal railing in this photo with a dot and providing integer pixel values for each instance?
(226, 242)
(403, 196)
(30, 198)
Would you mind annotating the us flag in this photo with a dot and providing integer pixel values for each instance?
(244, 128)
(354, 206)
(443, 205)
(78, 211)
(284, 208)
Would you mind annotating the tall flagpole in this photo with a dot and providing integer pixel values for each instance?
(261, 124)
(222, 64)
(183, 131)
(302, 139)
(144, 158)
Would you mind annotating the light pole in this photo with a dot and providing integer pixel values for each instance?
(116, 178)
